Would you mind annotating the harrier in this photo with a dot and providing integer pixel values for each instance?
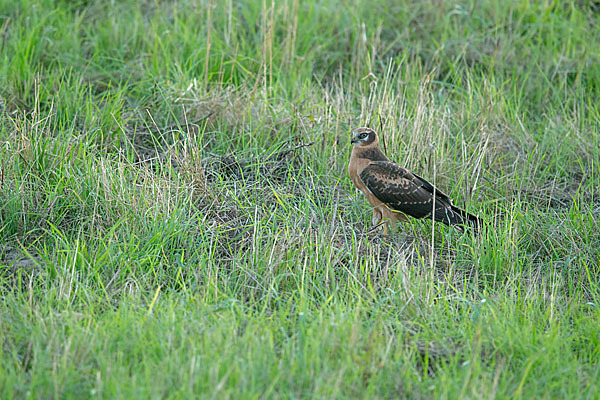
(395, 192)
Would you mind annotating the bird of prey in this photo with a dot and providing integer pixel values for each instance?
(395, 192)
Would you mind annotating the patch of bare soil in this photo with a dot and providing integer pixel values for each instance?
(561, 194)
(14, 259)
(17, 268)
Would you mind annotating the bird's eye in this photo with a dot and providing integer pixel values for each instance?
(363, 135)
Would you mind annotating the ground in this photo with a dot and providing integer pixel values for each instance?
(176, 219)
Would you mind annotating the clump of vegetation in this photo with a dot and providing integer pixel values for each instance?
(176, 219)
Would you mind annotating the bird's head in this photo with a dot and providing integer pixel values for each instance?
(364, 137)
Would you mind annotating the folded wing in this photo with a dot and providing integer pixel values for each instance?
(403, 191)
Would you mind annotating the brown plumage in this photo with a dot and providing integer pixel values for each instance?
(395, 192)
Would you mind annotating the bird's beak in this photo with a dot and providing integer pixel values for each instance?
(354, 140)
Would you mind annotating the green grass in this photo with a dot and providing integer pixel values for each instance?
(166, 233)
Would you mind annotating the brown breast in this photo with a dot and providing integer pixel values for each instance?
(356, 165)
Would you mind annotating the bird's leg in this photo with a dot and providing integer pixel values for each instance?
(377, 220)
(376, 216)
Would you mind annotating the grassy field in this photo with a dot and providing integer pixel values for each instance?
(176, 219)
